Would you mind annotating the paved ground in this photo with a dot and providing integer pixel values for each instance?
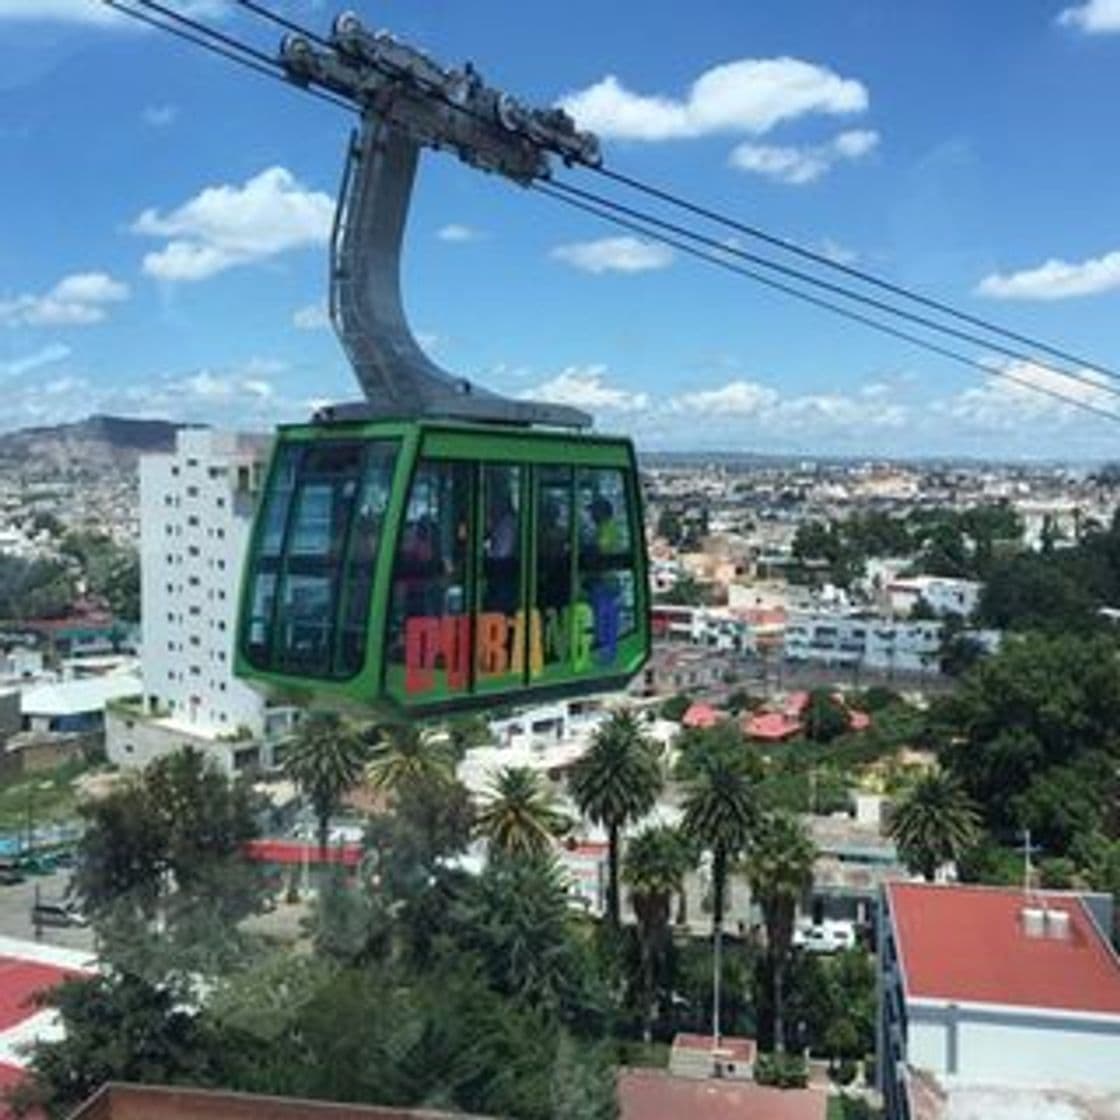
(15, 911)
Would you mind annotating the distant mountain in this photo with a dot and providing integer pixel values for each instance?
(95, 443)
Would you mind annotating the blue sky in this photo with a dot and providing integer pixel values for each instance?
(162, 239)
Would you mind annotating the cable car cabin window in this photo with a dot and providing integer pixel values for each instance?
(606, 585)
(365, 537)
(326, 490)
(499, 626)
(266, 563)
(429, 623)
(312, 569)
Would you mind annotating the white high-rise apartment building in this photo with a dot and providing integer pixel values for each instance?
(196, 509)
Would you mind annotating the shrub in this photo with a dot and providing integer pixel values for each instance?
(844, 1072)
(783, 1071)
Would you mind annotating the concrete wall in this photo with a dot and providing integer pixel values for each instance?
(132, 741)
(1014, 1048)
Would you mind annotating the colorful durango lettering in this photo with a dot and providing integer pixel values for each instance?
(582, 636)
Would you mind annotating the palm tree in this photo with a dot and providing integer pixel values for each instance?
(519, 818)
(409, 756)
(615, 782)
(720, 814)
(935, 822)
(325, 760)
(656, 862)
(780, 869)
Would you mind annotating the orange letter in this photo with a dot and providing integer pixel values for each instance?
(491, 639)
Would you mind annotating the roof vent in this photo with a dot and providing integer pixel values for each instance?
(1058, 924)
(1034, 921)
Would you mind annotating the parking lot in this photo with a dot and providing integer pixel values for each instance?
(15, 912)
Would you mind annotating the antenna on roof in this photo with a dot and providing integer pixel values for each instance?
(1028, 871)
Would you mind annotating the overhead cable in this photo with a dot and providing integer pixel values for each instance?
(817, 301)
(849, 270)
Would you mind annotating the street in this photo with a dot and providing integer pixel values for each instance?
(15, 912)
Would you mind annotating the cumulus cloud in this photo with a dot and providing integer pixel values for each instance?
(1055, 279)
(76, 300)
(47, 355)
(93, 13)
(455, 232)
(1094, 17)
(226, 226)
(160, 116)
(752, 400)
(799, 165)
(587, 387)
(312, 317)
(614, 254)
(749, 95)
(1022, 392)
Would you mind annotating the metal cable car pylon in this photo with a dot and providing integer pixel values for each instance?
(409, 102)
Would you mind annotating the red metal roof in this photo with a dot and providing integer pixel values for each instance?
(773, 726)
(968, 944)
(19, 981)
(296, 851)
(700, 714)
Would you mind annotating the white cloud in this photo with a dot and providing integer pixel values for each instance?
(586, 387)
(1094, 17)
(226, 226)
(95, 13)
(47, 355)
(455, 232)
(1022, 395)
(160, 116)
(749, 95)
(614, 254)
(76, 300)
(799, 165)
(312, 317)
(736, 398)
(1056, 279)
(834, 251)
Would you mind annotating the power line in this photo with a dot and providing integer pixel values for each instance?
(817, 301)
(856, 273)
(222, 45)
(830, 287)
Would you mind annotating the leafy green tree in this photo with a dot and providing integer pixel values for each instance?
(519, 817)
(180, 826)
(325, 759)
(409, 756)
(780, 870)
(1033, 728)
(934, 823)
(515, 918)
(675, 707)
(615, 783)
(656, 863)
(826, 718)
(720, 815)
(117, 1027)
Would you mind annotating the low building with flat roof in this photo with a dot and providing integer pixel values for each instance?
(989, 986)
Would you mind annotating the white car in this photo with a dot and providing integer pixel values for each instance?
(827, 937)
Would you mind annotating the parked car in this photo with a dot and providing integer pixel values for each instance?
(827, 937)
(10, 874)
(57, 914)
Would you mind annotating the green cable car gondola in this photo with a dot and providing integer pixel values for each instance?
(435, 547)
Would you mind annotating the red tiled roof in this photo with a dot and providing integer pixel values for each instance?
(968, 944)
(700, 715)
(296, 851)
(651, 1094)
(772, 726)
